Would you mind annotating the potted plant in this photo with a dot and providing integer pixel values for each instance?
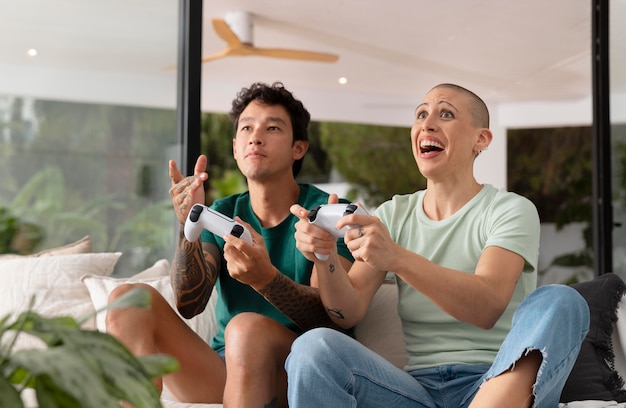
(77, 368)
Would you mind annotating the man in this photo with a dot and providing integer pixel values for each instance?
(266, 291)
(465, 260)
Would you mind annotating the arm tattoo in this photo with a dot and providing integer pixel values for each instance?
(336, 313)
(300, 303)
(193, 275)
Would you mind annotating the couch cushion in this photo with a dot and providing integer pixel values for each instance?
(52, 283)
(82, 246)
(381, 329)
(100, 287)
(593, 376)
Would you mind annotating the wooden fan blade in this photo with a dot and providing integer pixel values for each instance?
(223, 30)
(225, 52)
(295, 54)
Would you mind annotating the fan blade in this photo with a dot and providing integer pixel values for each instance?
(295, 54)
(224, 53)
(223, 30)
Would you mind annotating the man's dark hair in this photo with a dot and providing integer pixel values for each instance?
(275, 94)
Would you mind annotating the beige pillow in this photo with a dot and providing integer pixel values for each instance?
(381, 328)
(82, 246)
(51, 282)
(100, 287)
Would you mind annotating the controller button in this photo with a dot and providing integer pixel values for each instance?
(196, 210)
(237, 231)
(313, 213)
(350, 209)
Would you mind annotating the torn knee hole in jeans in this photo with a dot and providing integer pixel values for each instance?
(525, 353)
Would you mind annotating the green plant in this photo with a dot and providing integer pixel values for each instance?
(16, 236)
(46, 201)
(9, 225)
(78, 368)
(376, 160)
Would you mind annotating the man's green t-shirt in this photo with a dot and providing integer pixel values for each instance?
(235, 297)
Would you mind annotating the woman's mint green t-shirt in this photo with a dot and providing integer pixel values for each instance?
(492, 218)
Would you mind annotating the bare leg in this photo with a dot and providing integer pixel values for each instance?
(159, 329)
(513, 388)
(256, 349)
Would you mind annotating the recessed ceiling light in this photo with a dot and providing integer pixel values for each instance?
(32, 52)
(342, 80)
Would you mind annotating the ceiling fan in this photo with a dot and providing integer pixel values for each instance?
(236, 30)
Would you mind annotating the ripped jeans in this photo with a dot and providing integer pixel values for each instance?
(329, 369)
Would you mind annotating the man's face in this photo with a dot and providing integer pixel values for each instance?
(444, 138)
(263, 145)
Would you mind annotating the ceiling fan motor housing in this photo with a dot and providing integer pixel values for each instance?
(241, 24)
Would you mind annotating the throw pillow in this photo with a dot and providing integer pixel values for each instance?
(381, 328)
(100, 287)
(52, 284)
(593, 376)
(82, 246)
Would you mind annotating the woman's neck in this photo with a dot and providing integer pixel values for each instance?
(443, 200)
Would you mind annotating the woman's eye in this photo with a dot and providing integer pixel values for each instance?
(447, 115)
(421, 115)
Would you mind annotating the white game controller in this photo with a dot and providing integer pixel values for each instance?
(327, 215)
(202, 217)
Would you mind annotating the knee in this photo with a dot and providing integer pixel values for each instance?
(563, 306)
(565, 301)
(254, 340)
(312, 347)
(245, 328)
(121, 290)
(117, 319)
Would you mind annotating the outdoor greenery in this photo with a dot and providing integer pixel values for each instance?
(553, 168)
(17, 237)
(367, 157)
(76, 169)
(77, 368)
(376, 160)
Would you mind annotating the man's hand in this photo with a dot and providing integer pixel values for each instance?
(187, 191)
(249, 264)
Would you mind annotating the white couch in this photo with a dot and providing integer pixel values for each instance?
(73, 281)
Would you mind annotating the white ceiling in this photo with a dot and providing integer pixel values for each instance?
(391, 51)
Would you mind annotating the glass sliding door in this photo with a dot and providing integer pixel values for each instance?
(617, 88)
(84, 146)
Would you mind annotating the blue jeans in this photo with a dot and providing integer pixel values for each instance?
(326, 368)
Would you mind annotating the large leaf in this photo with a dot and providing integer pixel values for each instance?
(156, 365)
(9, 397)
(64, 368)
(50, 395)
(96, 369)
(87, 366)
(47, 329)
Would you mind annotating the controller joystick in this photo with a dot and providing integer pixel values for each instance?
(327, 215)
(202, 217)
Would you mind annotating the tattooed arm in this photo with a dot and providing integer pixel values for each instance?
(193, 274)
(301, 303)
